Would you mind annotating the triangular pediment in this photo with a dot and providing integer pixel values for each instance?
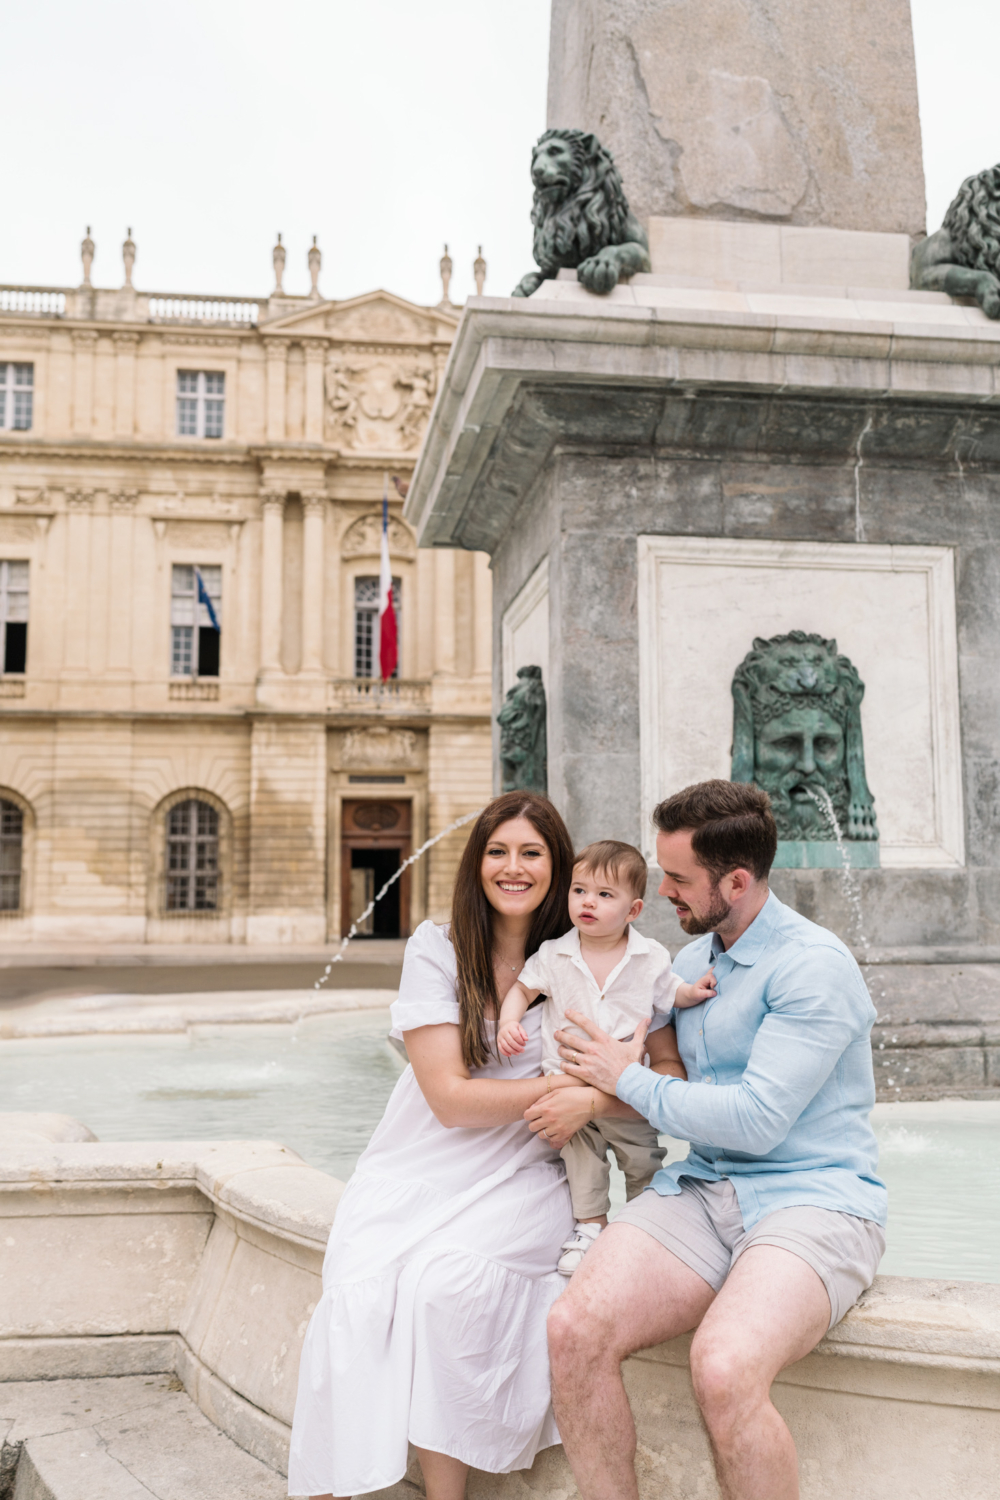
(376, 317)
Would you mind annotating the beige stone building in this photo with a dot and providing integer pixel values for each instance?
(193, 746)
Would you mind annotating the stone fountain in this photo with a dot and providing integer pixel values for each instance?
(770, 445)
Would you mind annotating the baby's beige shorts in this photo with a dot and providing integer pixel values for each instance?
(702, 1225)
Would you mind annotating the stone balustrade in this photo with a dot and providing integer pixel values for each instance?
(36, 301)
(369, 695)
(203, 1260)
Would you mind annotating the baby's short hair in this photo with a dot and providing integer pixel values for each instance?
(622, 863)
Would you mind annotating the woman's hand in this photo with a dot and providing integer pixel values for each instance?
(601, 1060)
(559, 1115)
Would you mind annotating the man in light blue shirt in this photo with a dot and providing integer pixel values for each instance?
(771, 1228)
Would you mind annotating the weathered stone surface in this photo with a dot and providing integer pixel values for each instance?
(782, 110)
(124, 1439)
(567, 428)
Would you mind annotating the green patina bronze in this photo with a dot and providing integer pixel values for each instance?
(962, 258)
(581, 217)
(523, 747)
(797, 732)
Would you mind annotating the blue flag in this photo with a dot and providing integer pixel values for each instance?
(204, 599)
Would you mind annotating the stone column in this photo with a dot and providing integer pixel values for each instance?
(313, 559)
(277, 356)
(125, 347)
(271, 578)
(783, 112)
(315, 355)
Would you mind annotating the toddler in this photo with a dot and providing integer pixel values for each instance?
(615, 977)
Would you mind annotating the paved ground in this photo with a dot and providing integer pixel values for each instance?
(129, 1437)
(374, 966)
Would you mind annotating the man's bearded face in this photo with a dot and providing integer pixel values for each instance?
(709, 917)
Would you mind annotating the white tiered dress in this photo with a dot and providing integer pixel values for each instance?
(438, 1278)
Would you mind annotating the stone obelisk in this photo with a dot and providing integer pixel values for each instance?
(792, 112)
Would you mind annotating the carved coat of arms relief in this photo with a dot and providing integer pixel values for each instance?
(376, 403)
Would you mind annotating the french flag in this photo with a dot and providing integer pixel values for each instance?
(388, 642)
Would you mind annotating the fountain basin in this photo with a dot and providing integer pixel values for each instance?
(320, 1087)
(203, 1259)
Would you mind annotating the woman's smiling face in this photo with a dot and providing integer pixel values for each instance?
(517, 868)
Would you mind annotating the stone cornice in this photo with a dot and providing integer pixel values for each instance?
(612, 373)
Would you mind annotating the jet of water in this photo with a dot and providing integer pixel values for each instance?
(852, 886)
(339, 956)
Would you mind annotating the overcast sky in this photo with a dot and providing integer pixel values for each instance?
(385, 127)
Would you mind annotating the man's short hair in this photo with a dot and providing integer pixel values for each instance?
(731, 823)
(623, 864)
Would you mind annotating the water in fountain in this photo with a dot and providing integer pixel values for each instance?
(355, 925)
(852, 885)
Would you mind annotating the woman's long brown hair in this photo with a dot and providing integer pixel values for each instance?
(472, 914)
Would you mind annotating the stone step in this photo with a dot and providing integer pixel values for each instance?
(134, 1437)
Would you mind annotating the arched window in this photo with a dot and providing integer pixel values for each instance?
(11, 848)
(192, 857)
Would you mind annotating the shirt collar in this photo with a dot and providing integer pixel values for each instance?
(751, 944)
(569, 943)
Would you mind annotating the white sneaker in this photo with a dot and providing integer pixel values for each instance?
(576, 1247)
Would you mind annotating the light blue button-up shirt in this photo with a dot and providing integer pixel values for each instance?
(780, 1076)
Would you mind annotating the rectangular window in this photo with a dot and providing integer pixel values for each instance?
(200, 403)
(366, 628)
(13, 616)
(17, 395)
(194, 639)
(192, 857)
(11, 840)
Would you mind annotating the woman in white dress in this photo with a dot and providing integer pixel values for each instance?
(440, 1270)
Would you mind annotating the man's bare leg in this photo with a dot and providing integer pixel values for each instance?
(444, 1477)
(629, 1293)
(772, 1310)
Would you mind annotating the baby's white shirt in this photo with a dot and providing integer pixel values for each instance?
(642, 985)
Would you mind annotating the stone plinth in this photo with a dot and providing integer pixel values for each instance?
(664, 473)
(783, 110)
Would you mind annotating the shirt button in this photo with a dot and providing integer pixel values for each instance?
(702, 1032)
(708, 1080)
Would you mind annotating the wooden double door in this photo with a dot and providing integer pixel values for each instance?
(375, 840)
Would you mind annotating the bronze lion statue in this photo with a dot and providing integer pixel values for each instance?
(581, 217)
(963, 257)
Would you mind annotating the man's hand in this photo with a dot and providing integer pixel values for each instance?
(601, 1060)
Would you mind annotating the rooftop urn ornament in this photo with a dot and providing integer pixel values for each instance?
(278, 261)
(581, 217)
(445, 268)
(87, 256)
(962, 258)
(128, 256)
(797, 732)
(479, 272)
(523, 747)
(315, 258)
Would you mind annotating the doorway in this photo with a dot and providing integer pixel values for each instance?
(375, 841)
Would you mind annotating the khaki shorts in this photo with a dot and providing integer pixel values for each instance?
(702, 1225)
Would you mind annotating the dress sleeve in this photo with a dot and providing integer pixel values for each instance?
(427, 989)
